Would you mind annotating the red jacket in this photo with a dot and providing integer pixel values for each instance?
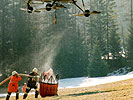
(13, 84)
(24, 88)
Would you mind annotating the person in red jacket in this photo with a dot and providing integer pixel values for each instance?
(13, 85)
(24, 87)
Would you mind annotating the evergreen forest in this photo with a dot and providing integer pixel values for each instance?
(74, 47)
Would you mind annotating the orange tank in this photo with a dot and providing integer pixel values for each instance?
(48, 89)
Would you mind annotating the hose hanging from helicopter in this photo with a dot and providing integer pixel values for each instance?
(55, 18)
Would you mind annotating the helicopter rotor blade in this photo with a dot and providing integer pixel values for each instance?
(44, 9)
(38, 11)
(23, 9)
(78, 14)
(26, 10)
(83, 4)
(77, 5)
(95, 12)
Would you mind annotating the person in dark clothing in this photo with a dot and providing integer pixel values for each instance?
(32, 83)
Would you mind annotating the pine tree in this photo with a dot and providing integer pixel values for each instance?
(15, 37)
(97, 67)
(103, 28)
(130, 40)
(130, 47)
(71, 60)
(113, 40)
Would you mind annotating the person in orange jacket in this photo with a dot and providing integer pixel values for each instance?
(13, 85)
(24, 87)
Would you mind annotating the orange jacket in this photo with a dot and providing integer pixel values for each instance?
(24, 88)
(13, 84)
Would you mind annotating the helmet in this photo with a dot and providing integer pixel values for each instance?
(35, 70)
(25, 83)
(14, 72)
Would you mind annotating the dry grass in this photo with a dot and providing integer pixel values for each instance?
(122, 90)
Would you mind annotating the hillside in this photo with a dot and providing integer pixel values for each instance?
(121, 90)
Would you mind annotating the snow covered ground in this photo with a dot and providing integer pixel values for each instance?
(85, 81)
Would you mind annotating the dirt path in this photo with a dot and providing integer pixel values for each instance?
(122, 90)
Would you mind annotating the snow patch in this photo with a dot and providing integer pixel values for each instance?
(14, 94)
(85, 81)
(121, 71)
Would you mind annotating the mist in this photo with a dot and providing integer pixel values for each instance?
(47, 54)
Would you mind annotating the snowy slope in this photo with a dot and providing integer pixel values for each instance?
(85, 81)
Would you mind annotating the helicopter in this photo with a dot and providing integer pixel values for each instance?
(50, 4)
(31, 9)
(54, 4)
